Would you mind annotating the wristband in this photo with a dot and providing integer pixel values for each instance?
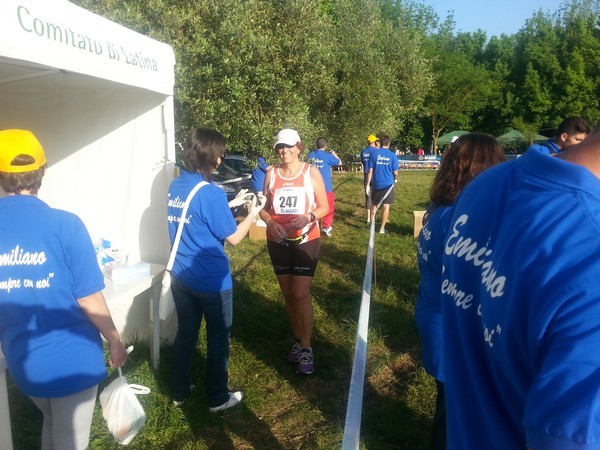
(313, 218)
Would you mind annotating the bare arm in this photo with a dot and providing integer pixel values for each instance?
(369, 176)
(339, 159)
(264, 215)
(94, 307)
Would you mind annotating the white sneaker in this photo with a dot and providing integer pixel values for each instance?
(328, 231)
(234, 399)
(180, 403)
(381, 231)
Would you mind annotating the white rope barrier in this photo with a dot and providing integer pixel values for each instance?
(357, 381)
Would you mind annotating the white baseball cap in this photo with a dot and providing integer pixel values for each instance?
(287, 136)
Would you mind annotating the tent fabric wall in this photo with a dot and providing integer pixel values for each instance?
(99, 98)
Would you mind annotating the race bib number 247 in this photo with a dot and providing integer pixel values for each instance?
(289, 200)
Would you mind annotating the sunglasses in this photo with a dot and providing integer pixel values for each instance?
(282, 146)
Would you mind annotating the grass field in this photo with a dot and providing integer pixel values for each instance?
(281, 409)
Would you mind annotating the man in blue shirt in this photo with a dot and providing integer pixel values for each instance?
(521, 301)
(382, 175)
(571, 131)
(365, 155)
(324, 161)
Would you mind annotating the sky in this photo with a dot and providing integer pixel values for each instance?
(493, 16)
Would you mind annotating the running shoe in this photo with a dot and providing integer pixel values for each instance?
(328, 231)
(305, 363)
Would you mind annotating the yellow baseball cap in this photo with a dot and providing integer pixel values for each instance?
(20, 142)
(372, 138)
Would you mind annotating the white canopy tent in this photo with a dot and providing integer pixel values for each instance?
(99, 98)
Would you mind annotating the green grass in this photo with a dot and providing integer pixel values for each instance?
(282, 410)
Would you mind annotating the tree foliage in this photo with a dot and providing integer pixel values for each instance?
(342, 69)
(348, 68)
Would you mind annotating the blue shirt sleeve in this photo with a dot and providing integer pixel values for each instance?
(332, 160)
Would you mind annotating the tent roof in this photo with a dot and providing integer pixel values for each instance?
(445, 139)
(41, 38)
(515, 136)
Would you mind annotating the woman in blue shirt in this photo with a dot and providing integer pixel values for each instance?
(201, 282)
(468, 156)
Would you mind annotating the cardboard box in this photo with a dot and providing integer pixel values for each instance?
(417, 222)
(258, 230)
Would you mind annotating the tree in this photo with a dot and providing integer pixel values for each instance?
(381, 74)
(462, 84)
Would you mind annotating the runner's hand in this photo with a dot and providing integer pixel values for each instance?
(299, 222)
(279, 232)
(368, 190)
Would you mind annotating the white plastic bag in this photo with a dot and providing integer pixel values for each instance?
(166, 305)
(122, 410)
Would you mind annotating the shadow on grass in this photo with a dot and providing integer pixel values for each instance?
(214, 430)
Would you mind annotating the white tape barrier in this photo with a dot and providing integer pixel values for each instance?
(357, 381)
(355, 394)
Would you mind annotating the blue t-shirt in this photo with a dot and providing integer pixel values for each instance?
(47, 262)
(384, 163)
(428, 308)
(201, 263)
(258, 175)
(521, 308)
(324, 161)
(365, 155)
(549, 147)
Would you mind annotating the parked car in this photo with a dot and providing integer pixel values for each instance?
(237, 162)
(233, 175)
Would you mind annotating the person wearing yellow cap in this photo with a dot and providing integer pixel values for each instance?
(365, 155)
(52, 310)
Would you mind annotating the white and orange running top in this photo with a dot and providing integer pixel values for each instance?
(292, 197)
